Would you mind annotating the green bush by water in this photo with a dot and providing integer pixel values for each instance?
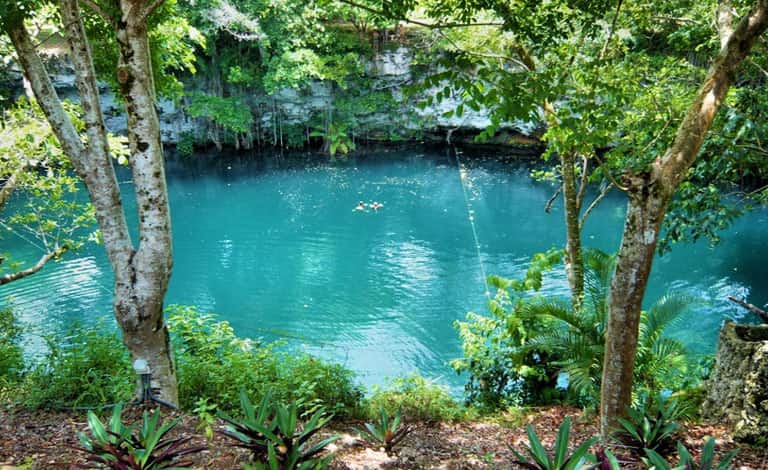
(417, 399)
(87, 367)
(215, 364)
(11, 356)
(516, 355)
(90, 367)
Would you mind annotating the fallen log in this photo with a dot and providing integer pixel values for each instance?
(757, 311)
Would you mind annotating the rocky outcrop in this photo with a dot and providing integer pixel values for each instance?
(390, 70)
(738, 387)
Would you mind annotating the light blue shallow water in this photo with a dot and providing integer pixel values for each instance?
(274, 247)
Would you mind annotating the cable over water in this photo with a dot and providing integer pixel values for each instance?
(464, 181)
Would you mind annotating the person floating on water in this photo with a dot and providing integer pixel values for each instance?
(376, 206)
(360, 206)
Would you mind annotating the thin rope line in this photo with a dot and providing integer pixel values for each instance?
(18, 234)
(463, 174)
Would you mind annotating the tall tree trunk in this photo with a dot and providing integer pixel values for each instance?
(645, 211)
(649, 196)
(141, 274)
(139, 297)
(574, 263)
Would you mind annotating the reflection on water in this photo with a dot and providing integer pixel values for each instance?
(275, 247)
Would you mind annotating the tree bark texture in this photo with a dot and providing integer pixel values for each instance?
(141, 273)
(649, 195)
(139, 299)
(10, 185)
(574, 263)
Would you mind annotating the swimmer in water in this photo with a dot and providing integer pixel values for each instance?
(376, 206)
(360, 206)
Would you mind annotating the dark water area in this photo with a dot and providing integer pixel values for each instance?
(274, 246)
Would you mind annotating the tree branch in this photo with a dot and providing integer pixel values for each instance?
(417, 22)
(613, 28)
(595, 202)
(548, 205)
(100, 11)
(37, 267)
(609, 175)
(724, 21)
(149, 10)
(673, 166)
(582, 183)
(9, 186)
(757, 311)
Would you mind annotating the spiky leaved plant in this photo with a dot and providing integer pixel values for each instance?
(575, 339)
(706, 461)
(560, 459)
(386, 431)
(118, 447)
(276, 437)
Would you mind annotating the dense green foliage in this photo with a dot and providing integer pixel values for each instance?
(501, 372)
(415, 398)
(84, 367)
(516, 355)
(215, 364)
(11, 354)
(88, 367)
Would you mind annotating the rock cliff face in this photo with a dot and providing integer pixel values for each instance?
(738, 388)
(388, 72)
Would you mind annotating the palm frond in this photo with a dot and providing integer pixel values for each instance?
(559, 309)
(666, 311)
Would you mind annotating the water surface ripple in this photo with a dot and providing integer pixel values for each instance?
(274, 247)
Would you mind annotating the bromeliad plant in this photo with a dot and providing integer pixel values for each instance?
(276, 438)
(387, 432)
(561, 460)
(118, 447)
(652, 425)
(706, 462)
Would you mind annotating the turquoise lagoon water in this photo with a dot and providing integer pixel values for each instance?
(274, 246)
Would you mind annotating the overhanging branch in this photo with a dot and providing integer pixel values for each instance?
(8, 278)
(384, 14)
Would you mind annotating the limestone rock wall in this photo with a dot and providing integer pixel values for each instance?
(738, 388)
(390, 70)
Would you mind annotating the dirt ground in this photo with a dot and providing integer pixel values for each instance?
(47, 440)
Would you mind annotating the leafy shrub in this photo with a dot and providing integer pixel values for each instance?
(120, 448)
(706, 462)
(501, 372)
(652, 424)
(417, 398)
(11, 354)
(516, 355)
(275, 437)
(386, 431)
(88, 367)
(215, 364)
(561, 459)
(575, 340)
(186, 144)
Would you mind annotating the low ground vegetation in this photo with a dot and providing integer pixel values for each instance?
(296, 411)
